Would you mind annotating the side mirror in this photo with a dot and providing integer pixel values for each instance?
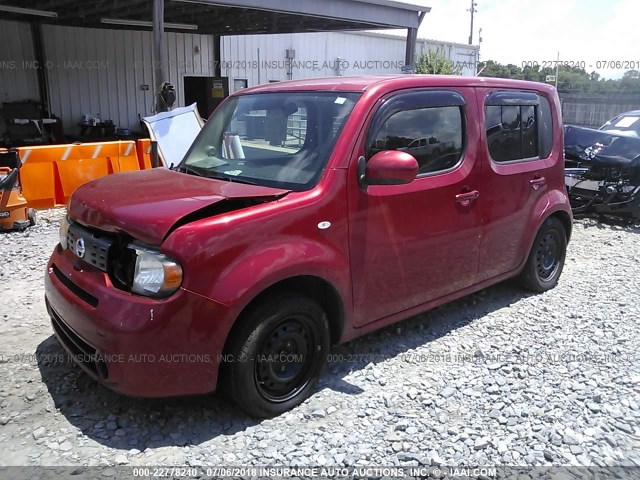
(390, 167)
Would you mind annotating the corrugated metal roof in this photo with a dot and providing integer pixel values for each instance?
(227, 17)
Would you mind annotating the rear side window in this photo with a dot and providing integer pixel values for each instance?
(546, 128)
(519, 126)
(433, 135)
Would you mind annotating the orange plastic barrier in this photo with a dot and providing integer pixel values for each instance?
(143, 146)
(51, 173)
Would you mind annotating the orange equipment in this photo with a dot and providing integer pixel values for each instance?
(14, 210)
(51, 173)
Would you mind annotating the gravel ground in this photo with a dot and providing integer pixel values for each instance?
(498, 378)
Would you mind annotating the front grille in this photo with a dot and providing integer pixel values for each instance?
(96, 246)
(84, 295)
(82, 352)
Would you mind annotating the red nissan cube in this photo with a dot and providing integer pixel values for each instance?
(305, 214)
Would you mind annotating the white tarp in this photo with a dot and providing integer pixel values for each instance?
(174, 131)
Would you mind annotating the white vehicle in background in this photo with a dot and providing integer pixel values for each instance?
(627, 124)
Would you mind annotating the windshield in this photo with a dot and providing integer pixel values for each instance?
(280, 140)
(624, 124)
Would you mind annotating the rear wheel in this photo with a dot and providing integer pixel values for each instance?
(546, 259)
(277, 355)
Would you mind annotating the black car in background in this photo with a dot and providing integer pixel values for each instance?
(602, 171)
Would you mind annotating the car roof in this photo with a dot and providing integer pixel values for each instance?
(365, 82)
(632, 113)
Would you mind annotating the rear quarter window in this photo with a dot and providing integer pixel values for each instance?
(518, 128)
(545, 128)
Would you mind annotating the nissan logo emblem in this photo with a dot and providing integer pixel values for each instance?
(80, 248)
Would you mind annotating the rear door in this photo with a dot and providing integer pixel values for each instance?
(518, 135)
(410, 244)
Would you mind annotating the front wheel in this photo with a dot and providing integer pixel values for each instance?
(546, 259)
(276, 356)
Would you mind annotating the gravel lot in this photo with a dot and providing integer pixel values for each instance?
(500, 377)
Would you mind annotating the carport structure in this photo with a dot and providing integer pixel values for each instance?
(210, 18)
(225, 17)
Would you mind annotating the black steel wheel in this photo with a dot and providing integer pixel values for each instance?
(546, 259)
(284, 364)
(548, 255)
(276, 355)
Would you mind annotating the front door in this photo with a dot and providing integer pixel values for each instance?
(410, 244)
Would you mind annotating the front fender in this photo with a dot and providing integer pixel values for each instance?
(267, 264)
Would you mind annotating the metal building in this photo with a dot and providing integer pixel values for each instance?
(249, 60)
(97, 58)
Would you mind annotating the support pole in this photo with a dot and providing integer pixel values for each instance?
(217, 52)
(412, 40)
(160, 53)
(410, 53)
(43, 79)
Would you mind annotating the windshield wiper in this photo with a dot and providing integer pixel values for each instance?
(205, 172)
(189, 170)
(229, 178)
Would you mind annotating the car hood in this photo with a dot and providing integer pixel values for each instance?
(624, 133)
(584, 147)
(601, 147)
(148, 205)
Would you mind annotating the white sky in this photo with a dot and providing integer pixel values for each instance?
(514, 31)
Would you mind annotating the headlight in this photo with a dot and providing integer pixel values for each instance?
(64, 229)
(155, 275)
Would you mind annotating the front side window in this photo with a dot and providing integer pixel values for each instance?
(433, 135)
(280, 140)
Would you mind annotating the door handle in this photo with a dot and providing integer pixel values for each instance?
(466, 198)
(537, 182)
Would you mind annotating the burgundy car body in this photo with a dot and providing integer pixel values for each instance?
(391, 250)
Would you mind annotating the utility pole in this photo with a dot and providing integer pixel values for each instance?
(557, 70)
(478, 54)
(473, 11)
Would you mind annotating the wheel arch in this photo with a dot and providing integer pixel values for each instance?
(316, 288)
(546, 209)
(566, 221)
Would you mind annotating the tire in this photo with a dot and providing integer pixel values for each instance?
(277, 355)
(32, 217)
(546, 258)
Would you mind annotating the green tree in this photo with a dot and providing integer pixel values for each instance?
(630, 81)
(493, 69)
(570, 79)
(435, 62)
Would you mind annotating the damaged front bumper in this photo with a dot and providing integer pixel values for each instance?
(605, 197)
(134, 345)
(602, 173)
